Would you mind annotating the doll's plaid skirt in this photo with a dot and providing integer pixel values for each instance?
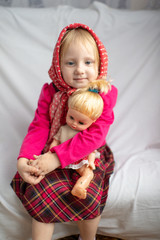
(51, 200)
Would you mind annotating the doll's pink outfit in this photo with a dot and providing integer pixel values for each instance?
(51, 200)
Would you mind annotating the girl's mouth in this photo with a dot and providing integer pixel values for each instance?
(79, 79)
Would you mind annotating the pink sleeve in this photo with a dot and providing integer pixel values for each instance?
(38, 130)
(87, 141)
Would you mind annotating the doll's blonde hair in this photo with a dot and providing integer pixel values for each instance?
(78, 35)
(88, 100)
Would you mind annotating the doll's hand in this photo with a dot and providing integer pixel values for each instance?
(28, 173)
(45, 163)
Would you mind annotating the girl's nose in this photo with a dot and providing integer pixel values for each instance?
(79, 69)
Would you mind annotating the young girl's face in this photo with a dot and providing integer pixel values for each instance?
(78, 65)
(77, 121)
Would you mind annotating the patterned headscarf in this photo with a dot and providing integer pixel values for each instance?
(58, 106)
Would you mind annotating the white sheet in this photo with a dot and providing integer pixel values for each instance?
(27, 38)
(125, 4)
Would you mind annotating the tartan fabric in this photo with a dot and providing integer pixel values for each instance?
(51, 200)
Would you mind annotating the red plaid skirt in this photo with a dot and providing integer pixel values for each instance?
(51, 199)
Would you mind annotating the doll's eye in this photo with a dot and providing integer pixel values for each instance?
(81, 123)
(71, 118)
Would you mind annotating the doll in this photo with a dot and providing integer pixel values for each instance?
(84, 107)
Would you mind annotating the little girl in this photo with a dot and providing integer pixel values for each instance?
(79, 58)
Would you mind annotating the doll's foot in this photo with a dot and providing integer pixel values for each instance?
(79, 192)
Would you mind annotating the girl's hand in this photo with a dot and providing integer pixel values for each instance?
(45, 163)
(28, 173)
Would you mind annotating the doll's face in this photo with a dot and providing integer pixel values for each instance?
(77, 120)
(79, 66)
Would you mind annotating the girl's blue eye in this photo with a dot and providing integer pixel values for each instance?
(70, 63)
(88, 62)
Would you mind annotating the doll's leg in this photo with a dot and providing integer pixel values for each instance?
(88, 228)
(41, 231)
(91, 160)
(79, 189)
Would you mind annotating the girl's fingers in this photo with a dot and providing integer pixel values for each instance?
(30, 162)
(37, 180)
(40, 172)
(32, 169)
(33, 179)
(33, 163)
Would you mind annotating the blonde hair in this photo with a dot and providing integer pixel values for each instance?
(78, 35)
(88, 101)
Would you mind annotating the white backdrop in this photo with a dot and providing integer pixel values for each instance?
(132, 39)
(122, 4)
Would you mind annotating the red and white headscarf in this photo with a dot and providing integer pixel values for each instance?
(58, 106)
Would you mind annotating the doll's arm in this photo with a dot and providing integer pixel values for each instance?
(56, 139)
(54, 143)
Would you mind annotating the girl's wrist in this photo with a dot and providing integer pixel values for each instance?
(54, 158)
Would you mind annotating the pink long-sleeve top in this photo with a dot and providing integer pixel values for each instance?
(75, 148)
